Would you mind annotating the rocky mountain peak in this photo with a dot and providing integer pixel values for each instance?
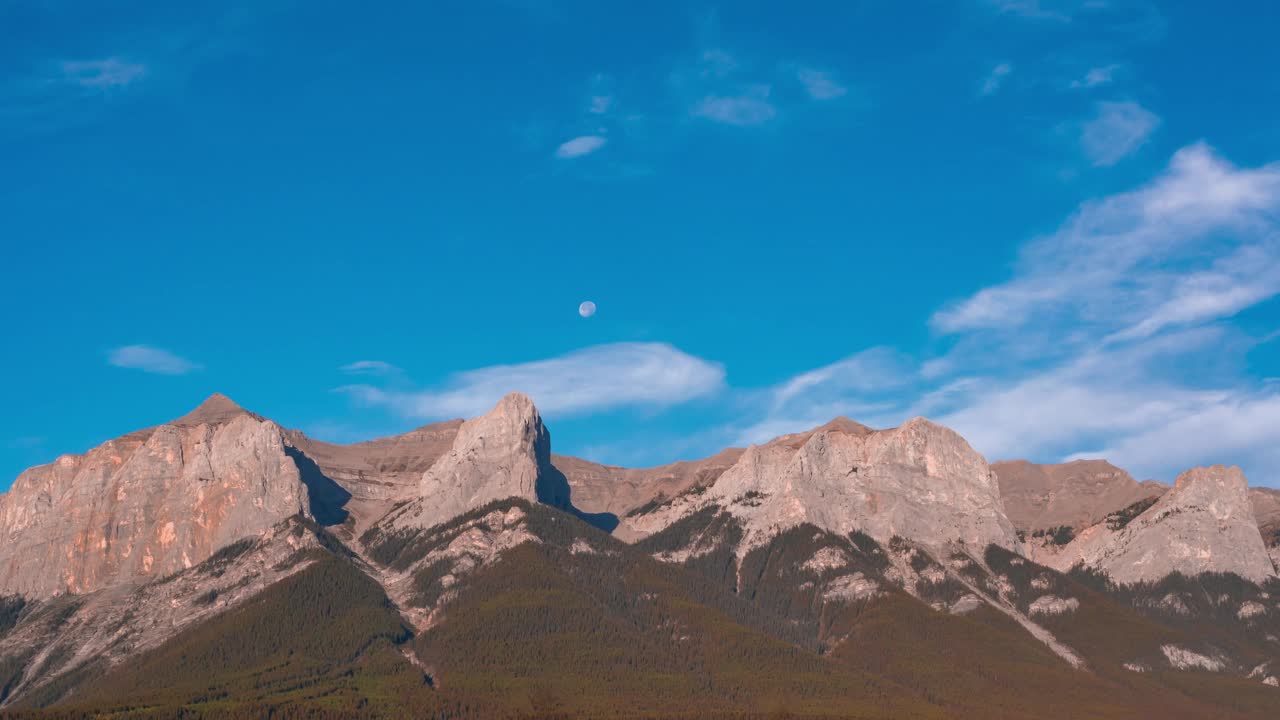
(215, 410)
(1204, 524)
(504, 453)
(919, 480)
(147, 504)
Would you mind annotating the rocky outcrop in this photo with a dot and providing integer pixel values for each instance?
(1266, 509)
(501, 454)
(148, 504)
(1075, 494)
(1204, 524)
(919, 480)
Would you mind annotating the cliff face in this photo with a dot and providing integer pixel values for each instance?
(501, 454)
(919, 480)
(1266, 509)
(1204, 524)
(148, 504)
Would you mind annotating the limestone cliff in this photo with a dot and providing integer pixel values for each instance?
(1204, 524)
(148, 504)
(919, 480)
(504, 453)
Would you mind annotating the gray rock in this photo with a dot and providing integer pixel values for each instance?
(504, 453)
(919, 480)
(1204, 524)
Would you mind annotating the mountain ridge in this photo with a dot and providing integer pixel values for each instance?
(815, 532)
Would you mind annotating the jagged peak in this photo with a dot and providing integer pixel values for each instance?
(216, 409)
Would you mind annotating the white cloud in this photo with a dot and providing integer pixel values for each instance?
(749, 108)
(600, 104)
(1116, 131)
(1121, 259)
(580, 146)
(593, 379)
(1096, 77)
(369, 367)
(151, 360)
(995, 78)
(820, 85)
(106, 73)
(1112, 338)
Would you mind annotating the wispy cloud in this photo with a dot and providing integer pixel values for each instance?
(1116, 131)
(603, 377)
(1051, 10)
(749, 108)
(820, 84)
(370, 367)
(995, 79)
(106, 73)
(600, 104)
(580, 146)
(1122, 258)
(1096, 77)
(1112, 337)
(151, 360)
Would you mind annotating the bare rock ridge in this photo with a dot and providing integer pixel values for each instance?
(147, 504)
(160, 500)
(919, 480)
(218, 409)
(1075, 494)
(501, 454)
(1205, 523)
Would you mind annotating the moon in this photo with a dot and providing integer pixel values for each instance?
(587, 309)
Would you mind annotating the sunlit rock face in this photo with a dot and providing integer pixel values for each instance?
(1204, 524)
(919, 480)
(148, 504)
(504, 453)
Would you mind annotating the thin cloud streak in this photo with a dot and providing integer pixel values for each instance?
(750, 108)
(820, 85)
(107, 73)
(370, 367)
(156, 361)
(1116, 131)
(1112, 338)
(594, 379)
(580, 146)
(995, 79)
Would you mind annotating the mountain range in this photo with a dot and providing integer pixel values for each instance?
(223, 566)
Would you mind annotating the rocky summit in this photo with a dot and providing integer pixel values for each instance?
(1205, 523)
(919, 480)
(219, 565)
(148, 504)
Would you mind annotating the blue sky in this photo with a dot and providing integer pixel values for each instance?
(1054, 226)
